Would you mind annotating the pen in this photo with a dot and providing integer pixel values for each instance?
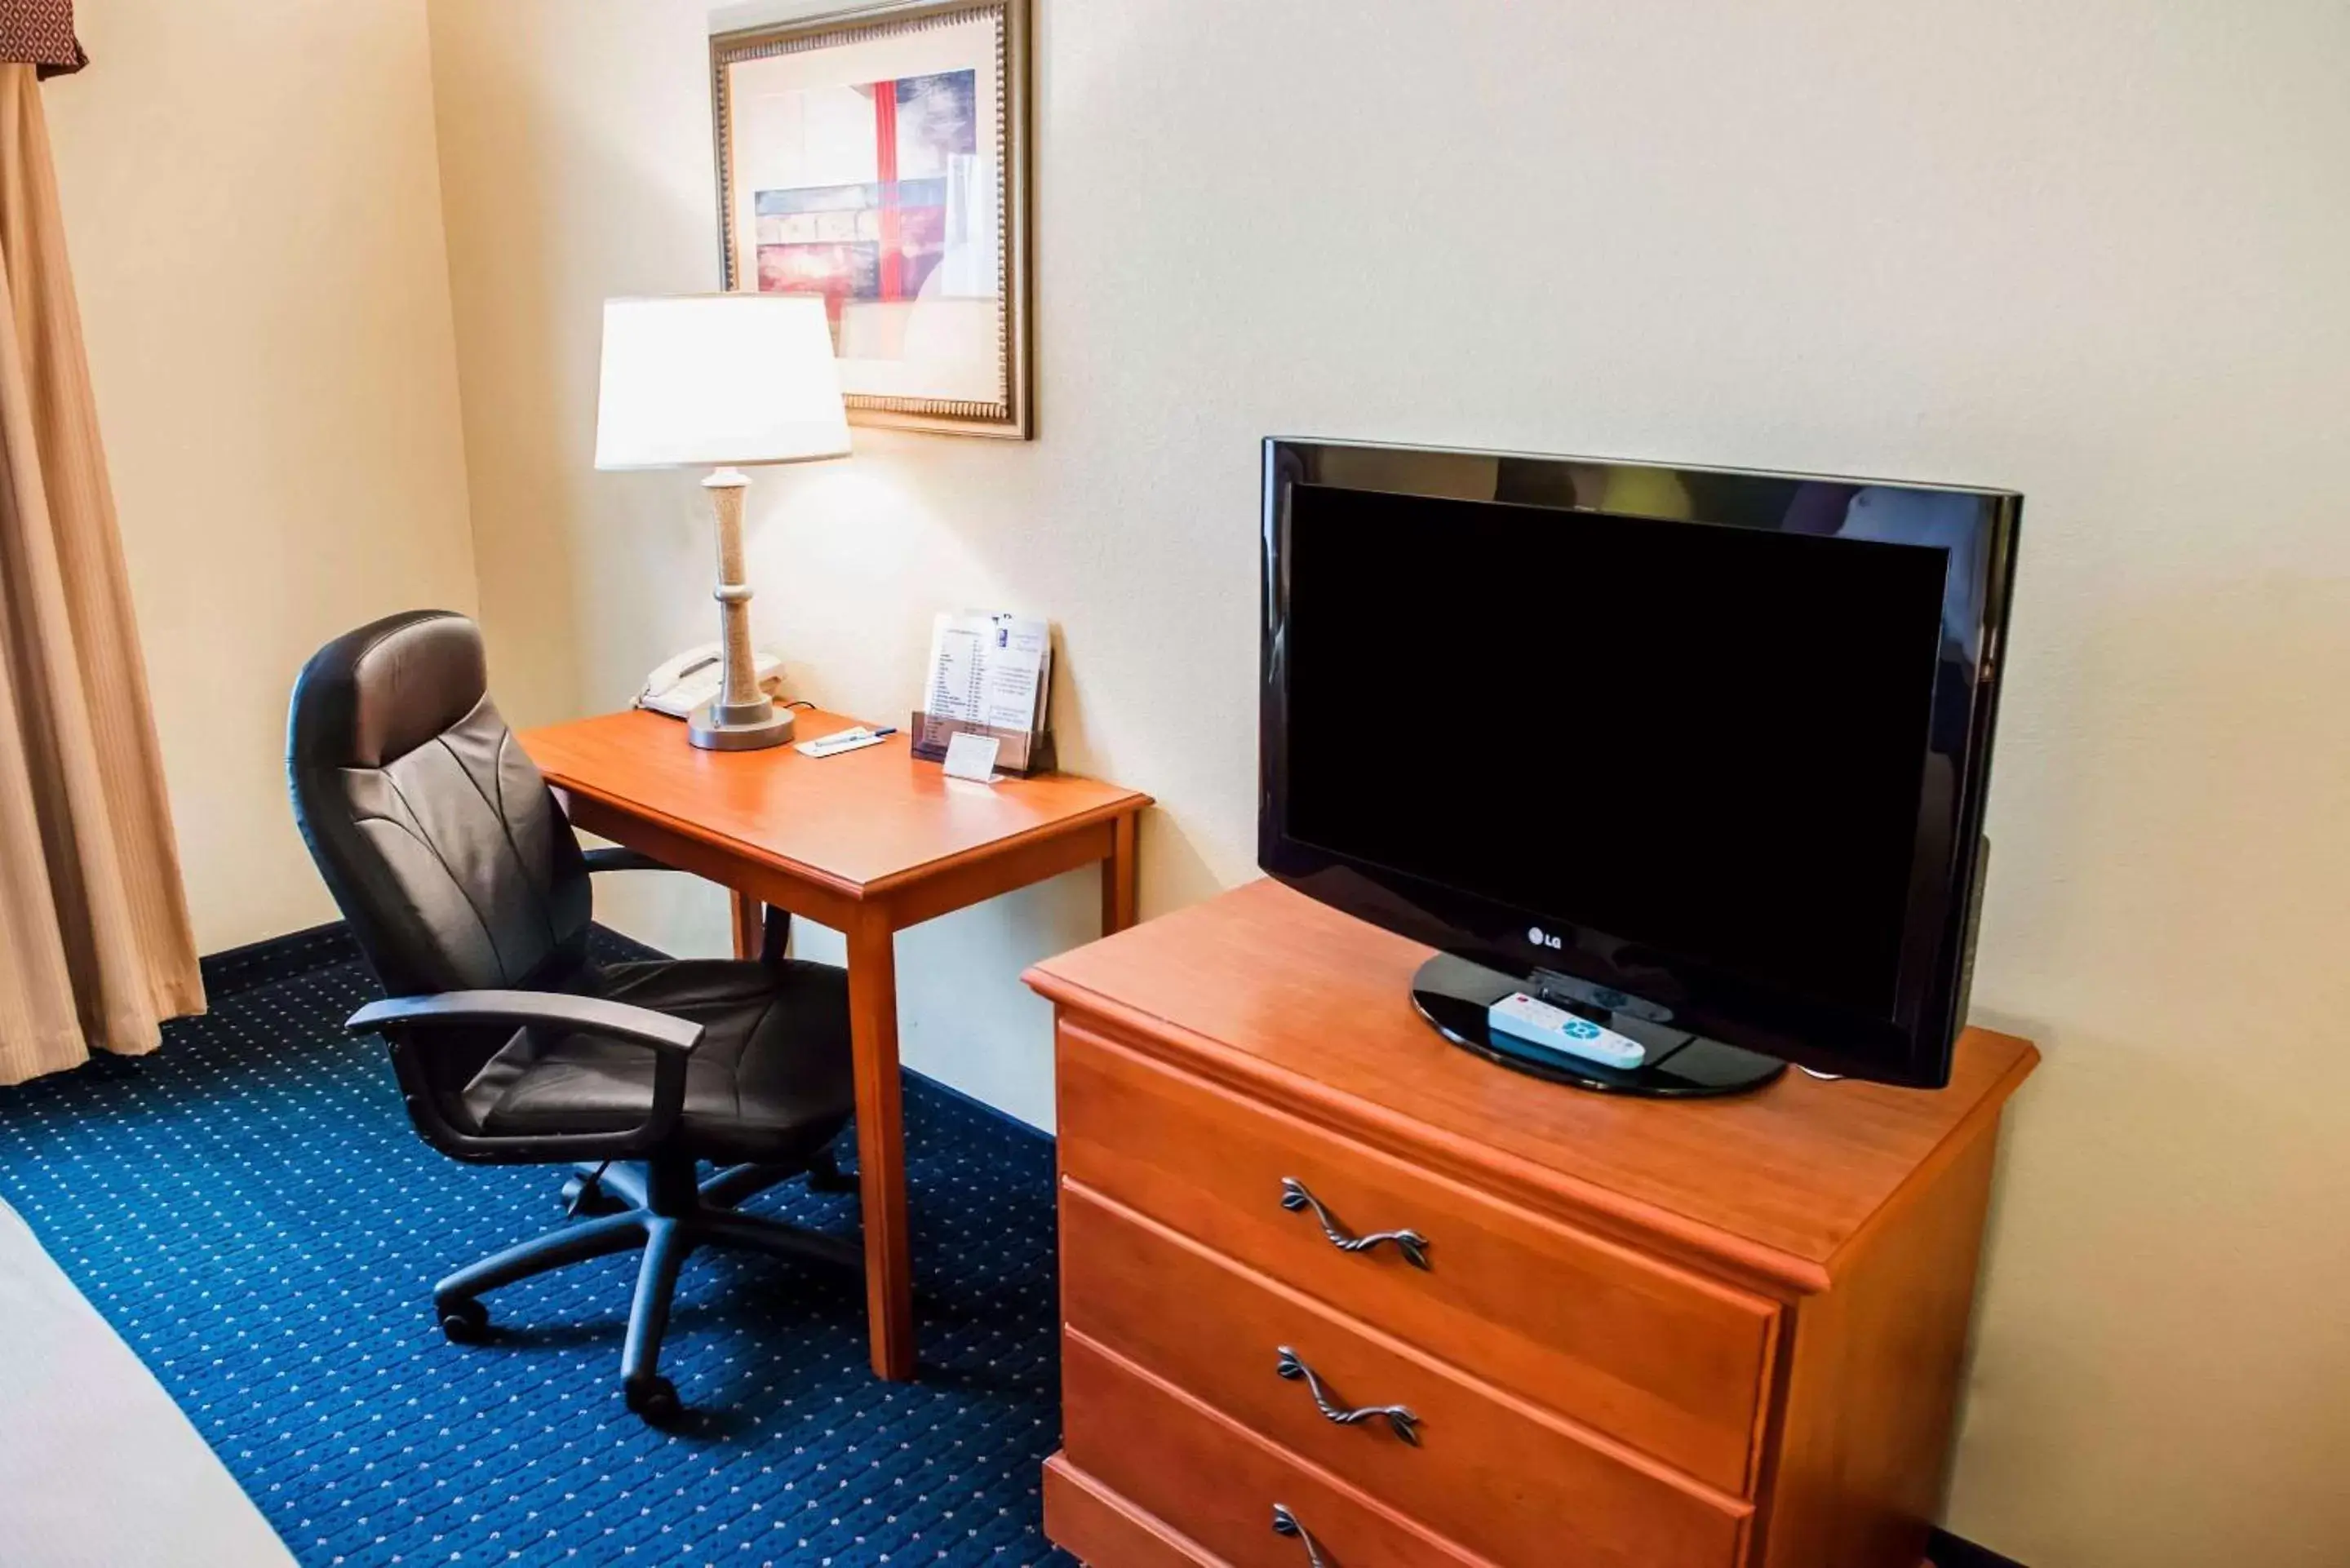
(856, 735)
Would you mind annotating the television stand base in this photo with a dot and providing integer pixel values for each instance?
(1453, 994)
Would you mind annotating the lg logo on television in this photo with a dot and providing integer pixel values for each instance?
(1542, 939)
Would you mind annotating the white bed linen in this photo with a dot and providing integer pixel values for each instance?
(98, 1467)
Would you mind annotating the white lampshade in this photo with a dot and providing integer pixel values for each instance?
(718, 380)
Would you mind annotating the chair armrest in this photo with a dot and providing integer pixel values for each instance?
(586, 1014)
(775, 925)
(613, 857)
(410, 1023)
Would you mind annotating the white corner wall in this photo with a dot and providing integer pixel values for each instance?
(2095, 252)
(253, 207)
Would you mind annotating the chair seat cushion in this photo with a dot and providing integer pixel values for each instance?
(771, 1080)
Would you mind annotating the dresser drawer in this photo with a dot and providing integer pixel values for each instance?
(1459, 1456)
(1214, 1486)
(1670, 1363)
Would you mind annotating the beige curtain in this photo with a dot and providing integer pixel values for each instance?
(95, 945)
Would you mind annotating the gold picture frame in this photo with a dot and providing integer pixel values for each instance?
(857, 230)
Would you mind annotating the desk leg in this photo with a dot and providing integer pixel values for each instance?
(1117, 886)
(749, 919)
(881, 1143)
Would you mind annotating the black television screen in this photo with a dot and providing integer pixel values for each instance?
(1713, 740)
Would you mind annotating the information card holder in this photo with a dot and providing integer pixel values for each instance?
(1021, 752)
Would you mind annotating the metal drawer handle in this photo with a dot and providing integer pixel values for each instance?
(1400, 1418)
(1297, 1200)
(1285, 1523)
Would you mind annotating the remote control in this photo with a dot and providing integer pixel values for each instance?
(1524, 1017)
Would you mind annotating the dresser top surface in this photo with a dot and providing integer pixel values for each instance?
(1313, 1007)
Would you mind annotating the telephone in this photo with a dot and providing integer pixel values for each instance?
(684, 683)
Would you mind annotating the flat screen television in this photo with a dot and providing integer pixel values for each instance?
(1696, 755)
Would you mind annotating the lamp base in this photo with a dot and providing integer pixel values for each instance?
(707, 730)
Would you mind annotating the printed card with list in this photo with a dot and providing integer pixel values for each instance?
(991, 670)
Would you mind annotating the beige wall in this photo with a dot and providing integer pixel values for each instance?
(2097, 252)
(253, 208)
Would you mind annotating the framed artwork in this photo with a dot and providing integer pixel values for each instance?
(879, 157)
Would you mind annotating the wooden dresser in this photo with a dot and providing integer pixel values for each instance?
(1337, 1294)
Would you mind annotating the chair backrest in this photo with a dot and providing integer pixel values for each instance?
(436, 835)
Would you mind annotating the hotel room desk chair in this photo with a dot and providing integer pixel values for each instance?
(467, 892)
(868, 842)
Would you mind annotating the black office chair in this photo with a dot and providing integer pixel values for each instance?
(467, 892)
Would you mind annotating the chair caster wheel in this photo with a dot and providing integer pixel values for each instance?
(824, 1174)
(581, 1201)
(465, 1322)
(654, 1398)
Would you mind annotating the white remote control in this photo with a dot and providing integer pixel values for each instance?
(1524, 1017)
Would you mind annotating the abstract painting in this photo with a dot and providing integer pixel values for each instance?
(880, 163)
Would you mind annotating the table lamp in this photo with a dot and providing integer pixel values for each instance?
(721, 381)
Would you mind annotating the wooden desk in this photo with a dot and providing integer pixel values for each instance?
(867, 843)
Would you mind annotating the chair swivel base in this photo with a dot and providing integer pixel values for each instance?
(661, 1211)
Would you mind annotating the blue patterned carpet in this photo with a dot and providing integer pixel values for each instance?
(252, 1211)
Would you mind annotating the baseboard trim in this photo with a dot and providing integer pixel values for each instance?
(233, 970)
(993, 1112)
(1948, 1550)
